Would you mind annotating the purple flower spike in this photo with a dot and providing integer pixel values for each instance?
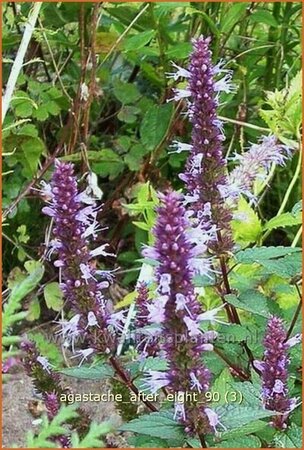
(205, 174)
(275, 373)
(52, 404)
(74, 223)
(184, 343)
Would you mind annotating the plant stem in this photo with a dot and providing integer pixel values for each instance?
(240, 373)
(128, 382)
(297, 236)
(244, 124)
(296, 315)
(288, 191)
(202, 440)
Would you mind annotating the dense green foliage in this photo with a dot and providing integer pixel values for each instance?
(94, 90)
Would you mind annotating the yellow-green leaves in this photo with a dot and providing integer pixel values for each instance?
(53, 296)
(246, 225)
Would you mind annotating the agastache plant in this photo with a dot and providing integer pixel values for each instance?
(205, 175)
(146, 336)
(178, 313)
(253, 165)
(274, 368)
(74, 214)
(47, 383)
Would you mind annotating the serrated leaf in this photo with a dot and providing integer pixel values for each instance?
(17, 294)
(243, 430)
(147, 442)
(287, 267)
(249, 392)
(291, 438)
(156, 424)
(153, 363)
(242, 442)
(284, 220)
(221, 386)
(233, 333)
(92, 438)
(97, 372)
(251, 301)
(258, 254)
(53, 296)
(234, 416)
(155, 125)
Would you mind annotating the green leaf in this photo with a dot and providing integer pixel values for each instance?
(250, 393)
(284, 220)
(153, 363)
(251, 300)
(138, 40)
(147, 442)
(258, 254)
(51, 429)
(109, 164)
(24, 109)
(233, 15)
(233, 333)
(242, 442)
(243, 430)
(47, 348)
(134, 157)
(17, 294)
(264, 16)
(33, 310)
(126, 93)
(28, 150)
(234, 416)
(128, 114)
(92, 438)
(291, 438)
(179, 50)
(155, 125)
(31, 266)
(246, 225)
(287, 267)
(156, 424)
(221, 385)
(53, 296)
(11, 340)
(97, 372)
(41, 113)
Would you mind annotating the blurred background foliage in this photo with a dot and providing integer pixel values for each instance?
(94, 90)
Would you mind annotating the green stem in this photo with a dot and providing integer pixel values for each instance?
(288, 191)
(297, 237)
